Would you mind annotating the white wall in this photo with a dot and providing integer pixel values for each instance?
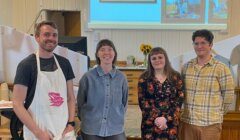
(6, 10)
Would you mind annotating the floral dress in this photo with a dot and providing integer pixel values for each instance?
(160, 100)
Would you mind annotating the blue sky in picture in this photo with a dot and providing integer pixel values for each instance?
(124, 11)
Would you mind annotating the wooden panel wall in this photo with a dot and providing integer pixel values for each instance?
(5, 6)
(25, 11)
(234, 17)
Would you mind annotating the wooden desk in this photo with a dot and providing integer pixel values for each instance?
(132, 75)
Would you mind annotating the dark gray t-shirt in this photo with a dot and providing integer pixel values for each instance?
(27, 71)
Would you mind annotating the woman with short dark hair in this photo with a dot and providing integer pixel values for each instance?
(102, 97)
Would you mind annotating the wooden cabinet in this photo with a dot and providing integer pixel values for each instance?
(68, 21)
(231, 126)
(132, 77)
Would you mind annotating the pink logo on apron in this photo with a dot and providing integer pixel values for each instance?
(55, 99)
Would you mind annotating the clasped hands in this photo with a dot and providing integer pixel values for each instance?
(161, 122)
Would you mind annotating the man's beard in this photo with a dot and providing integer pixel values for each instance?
(49, 49)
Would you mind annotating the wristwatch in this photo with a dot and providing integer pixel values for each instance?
(71, 123)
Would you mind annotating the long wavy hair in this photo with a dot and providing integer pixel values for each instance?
(168, 70)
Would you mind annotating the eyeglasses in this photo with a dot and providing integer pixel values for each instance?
(200, 43)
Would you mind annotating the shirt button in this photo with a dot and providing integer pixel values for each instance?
(105, 118)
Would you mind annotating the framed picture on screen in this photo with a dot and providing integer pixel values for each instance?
(218, 11)
(183, 11)
(129, 1)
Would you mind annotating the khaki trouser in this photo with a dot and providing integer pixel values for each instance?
(193, 132)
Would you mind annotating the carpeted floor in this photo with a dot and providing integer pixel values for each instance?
(133, 121)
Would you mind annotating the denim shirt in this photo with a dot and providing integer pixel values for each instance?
(102, 102)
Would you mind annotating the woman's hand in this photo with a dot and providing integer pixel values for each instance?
(161, 122)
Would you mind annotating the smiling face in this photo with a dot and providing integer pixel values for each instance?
(106, 55)
(158, 61)
(202, 47)
(47, 38)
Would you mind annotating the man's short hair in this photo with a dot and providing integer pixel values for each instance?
(208, 35)
(42, 23)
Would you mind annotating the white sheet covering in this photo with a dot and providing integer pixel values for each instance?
(15, 46)
(1, 56)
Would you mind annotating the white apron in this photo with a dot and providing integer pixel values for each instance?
(49, 106)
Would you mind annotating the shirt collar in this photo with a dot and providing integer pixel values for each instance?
(100, 71)
(210, 62)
